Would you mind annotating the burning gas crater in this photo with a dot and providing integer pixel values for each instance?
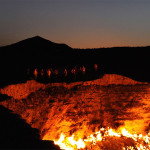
(106, 139)
(72, 115)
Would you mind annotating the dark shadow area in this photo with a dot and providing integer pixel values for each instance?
(15, 133)
(4, 97)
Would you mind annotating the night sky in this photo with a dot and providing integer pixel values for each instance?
(78, 23)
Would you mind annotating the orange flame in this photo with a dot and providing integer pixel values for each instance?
(69, 143)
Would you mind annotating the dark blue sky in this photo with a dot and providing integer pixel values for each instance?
(78, 23)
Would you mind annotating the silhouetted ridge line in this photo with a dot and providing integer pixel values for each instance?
(37, 40)
(39, 53)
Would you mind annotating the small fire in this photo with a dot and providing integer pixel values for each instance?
(141, 142)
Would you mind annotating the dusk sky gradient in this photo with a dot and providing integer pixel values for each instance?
(78, 23)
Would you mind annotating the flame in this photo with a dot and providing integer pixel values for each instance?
(69, 143)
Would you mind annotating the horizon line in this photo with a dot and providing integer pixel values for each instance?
(73, 47)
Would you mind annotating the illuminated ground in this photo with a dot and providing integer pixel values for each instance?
(83, 108)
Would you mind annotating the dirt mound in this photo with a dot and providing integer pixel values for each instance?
(109, 79)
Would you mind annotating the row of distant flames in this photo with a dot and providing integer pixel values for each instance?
(142, 142)
(50, 71)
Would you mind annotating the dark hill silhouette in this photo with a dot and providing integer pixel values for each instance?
(36, 42)
(17, 134)
(40, 53)
(33, 50)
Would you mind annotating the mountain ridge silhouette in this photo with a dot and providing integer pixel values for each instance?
(36, 40)
(37, 52)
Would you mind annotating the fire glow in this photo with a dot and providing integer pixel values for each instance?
(137, 141)
(72, 115)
